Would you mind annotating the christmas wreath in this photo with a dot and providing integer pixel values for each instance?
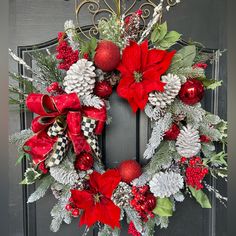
(69, 93)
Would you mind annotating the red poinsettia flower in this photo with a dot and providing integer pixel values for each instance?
(96, 201)
(141, 70)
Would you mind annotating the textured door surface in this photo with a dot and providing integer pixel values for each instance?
(34, 22)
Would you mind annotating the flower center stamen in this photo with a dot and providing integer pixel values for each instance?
(138, 76)
(96, 198)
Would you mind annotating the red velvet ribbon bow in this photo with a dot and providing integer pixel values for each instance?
(51, 108)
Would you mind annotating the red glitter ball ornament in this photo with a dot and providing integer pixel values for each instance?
(84, 161)
(107, 56)
(129, 170)
(103, 89)
(191, 92)
(172, 133)
(151, 201)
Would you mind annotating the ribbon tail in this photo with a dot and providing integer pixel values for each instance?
(59, 152)
(60, 147)
(39, 146)
(88, 125)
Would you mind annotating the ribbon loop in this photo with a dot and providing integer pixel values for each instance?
(52, 136)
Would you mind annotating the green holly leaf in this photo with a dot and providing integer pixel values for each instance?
(89, 47)
(159, 32)
(200, 197)
(31, 175)
(210, 83)
(183, 58)
(21, 157)
(164, 207)
(170, 39)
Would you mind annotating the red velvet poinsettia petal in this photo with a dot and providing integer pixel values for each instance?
(89, 216)
(151, 80)
(123, 88)
(144, 54)
(133, 104)
(109, 213)
(108, 182)
(163, 66)
(94, 180)
(155, 56)
(131, 57)
(140, 95)
(82, 199)
(124, 71)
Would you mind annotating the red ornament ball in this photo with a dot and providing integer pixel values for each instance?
(75, 213)
(151, 201)
(129, 170)
(103, 89)
(107, 56)
(84, 161)
(191, 92)
(172, 133)
(69, 207)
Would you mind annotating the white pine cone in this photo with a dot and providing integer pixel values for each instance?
(165, 184)
(188, 142)
(172, 87)
(80, 78)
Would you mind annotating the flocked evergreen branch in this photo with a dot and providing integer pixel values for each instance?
(59, 213)
(141, 180)
(193, 113)
(133, 216)
(43, 186)
(157, 135)
(65, 173)
(191, 72)
(20, 138)
(163, 157)
(92, 101)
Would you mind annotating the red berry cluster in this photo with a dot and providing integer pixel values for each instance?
(43, 168)
(55, 88)
(195, 172)
(65, 53)
(71, 207)
(132, 230)
(205, 139)
(143, 202)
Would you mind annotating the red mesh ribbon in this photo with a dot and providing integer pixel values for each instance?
(49, 108)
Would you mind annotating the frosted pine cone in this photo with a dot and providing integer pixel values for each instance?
(172, 87)
(165, 184)
(80, 78)
(122, 195)
(188, 142)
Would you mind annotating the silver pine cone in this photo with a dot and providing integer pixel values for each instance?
(188, 142)
(172, 87)
(165, 184)
(122, 195)
(80, 78)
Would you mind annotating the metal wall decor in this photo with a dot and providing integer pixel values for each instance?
(103, 9)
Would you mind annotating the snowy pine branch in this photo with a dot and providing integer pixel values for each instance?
(157, 135)
(44, 184)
